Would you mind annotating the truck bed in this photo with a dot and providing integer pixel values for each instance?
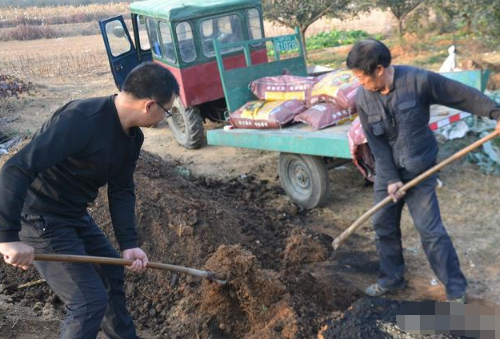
(302, 139)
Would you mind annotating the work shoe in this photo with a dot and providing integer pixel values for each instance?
(459, 300)
(376, 290)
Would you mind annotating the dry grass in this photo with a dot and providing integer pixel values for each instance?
(40, 65)
(63, 57)
(13, 16)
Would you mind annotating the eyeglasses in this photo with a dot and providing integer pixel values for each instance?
(168, 112)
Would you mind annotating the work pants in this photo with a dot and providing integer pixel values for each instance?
(93, 294)
(424, 209)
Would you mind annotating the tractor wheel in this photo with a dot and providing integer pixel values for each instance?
(186, 125)
(304, 179)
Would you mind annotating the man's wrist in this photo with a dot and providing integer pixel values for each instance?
(127, 245)
(9, 236)
(393, 181)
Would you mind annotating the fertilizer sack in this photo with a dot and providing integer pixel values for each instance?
(339, 87)
(283, 87)
(262, 115)
(325, 114)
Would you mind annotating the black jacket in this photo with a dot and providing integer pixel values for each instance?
(81, 148)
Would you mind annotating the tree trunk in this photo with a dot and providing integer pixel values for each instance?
(400, 28)
(469, 24)
(303, 39)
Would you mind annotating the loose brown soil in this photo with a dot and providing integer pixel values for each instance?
(230, 228)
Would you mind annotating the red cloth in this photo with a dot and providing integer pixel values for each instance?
(360, 151)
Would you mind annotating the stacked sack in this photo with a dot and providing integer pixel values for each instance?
(332, 100)
(261, 114)
(321, 101)
(281, 99)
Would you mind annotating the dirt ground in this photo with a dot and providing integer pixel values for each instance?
(222, 209)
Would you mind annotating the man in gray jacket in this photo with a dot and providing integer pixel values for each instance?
(394, 107)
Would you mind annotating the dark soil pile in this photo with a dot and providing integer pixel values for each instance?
(367, 318)
(244, 230)
(373, 318)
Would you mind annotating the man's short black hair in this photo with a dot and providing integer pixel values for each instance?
(367, 55)
(151, 80)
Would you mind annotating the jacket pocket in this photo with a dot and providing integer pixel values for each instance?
(406, 105)
(36, 221)
(410, 116)
(377, 124)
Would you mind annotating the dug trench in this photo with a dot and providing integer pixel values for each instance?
(246, 231)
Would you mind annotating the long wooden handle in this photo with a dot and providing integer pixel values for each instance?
(344, 235)
(124, 262)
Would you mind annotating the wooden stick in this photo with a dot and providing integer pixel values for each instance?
(124, 262)
(32, 283)
(351, 229)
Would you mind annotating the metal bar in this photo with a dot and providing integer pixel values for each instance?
(248, 59)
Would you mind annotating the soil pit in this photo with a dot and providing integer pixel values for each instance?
(231, 228)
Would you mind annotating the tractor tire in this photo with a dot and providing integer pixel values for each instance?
(304, 179)
(186, 125)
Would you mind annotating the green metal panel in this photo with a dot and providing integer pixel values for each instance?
(475, 78)
(235, 82)
(175, 10)
(300, 139)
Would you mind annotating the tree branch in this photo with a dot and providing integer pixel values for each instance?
(322, 13)
(284, 23)
(411, 9)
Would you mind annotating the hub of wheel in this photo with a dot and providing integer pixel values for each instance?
(301, 176)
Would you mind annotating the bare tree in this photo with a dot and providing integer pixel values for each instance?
(400, 9)
(303, 13)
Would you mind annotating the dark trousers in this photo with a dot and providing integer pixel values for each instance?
(424, 209)
(93, 294)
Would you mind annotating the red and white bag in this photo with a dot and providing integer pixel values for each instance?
(262, 115)
(323, 115)
(283, 87)
(338, 87)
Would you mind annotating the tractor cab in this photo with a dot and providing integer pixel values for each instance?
(180, 35)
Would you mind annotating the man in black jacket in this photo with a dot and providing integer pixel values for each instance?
(46, 187)
(394, 106)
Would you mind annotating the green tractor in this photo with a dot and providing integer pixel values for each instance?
(180, 35)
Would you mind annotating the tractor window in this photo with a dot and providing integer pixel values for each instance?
(254, 26)
(143, 32)
(225, 29)
(207, 28)
(118, 39)
(186, 42)
(166, 38)
(153, 37)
